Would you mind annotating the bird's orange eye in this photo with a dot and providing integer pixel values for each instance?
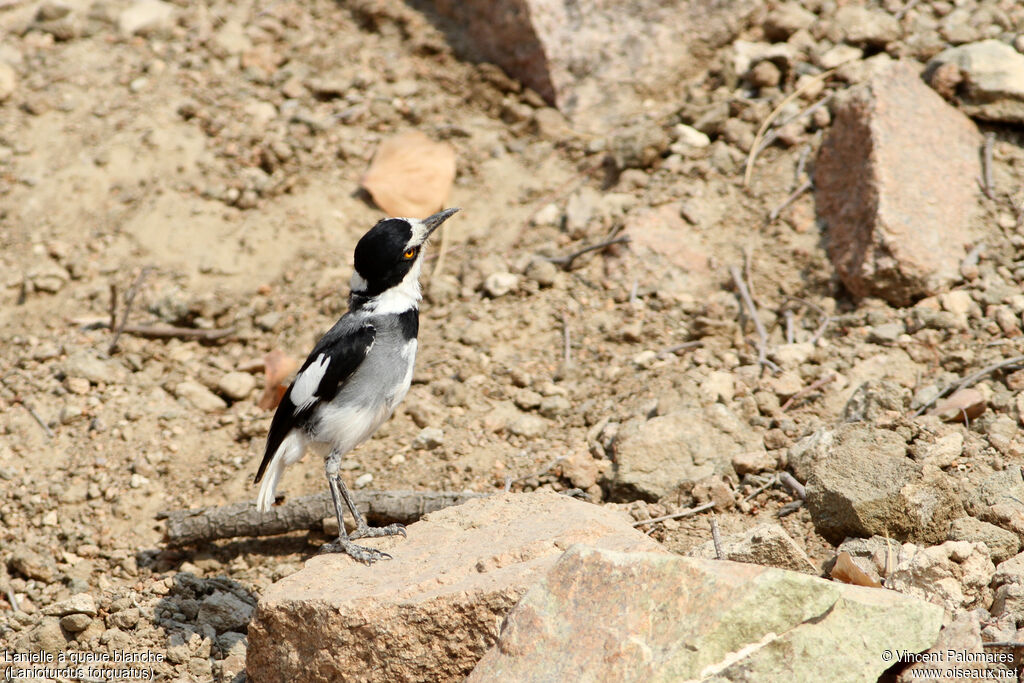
(409, 254)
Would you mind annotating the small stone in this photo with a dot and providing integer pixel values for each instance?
(75, 623)
(862, 26)
(555, 406)
(787, 19)
(8, 80)
(886, 333)
(690, 136)
(765, 75)
(637, 145)
(428, 439)
(786, 384)
(962, 405)
(32, 565)
(993, 74)
(542, 271)
(529, 426)
(144, 17)
(753, 462)
(236, 385)
(549, 214)
(719, 386)
(96, 370)
(224, 612)
(792, 355)
(363, 480)
(79, 603)
(199, 396)
(500, 284)
(944, 451)
(125, 620)
(48, 636)
(767, 545)
(1002, 544)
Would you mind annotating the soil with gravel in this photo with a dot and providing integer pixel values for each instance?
(210, 167)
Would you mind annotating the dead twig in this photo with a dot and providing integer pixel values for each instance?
(755, 148)
(185, 527)
(566, 261)
(716, 538)
(762, 335)
(825, 317)
(566, 341)
(773, 135)
(679, 347)
(790, 482)
(762, 488)
(987, 186)
(812, 387)
(969, 381)
(129, 299)
(773, 215)
(677, 515)
(165, 331)
(38, 418)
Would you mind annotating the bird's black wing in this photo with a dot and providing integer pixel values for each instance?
(332, 361)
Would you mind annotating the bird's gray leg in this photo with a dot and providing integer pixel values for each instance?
(364, 530)
(338, 491)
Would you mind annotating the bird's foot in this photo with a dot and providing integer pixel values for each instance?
(357, 552)
(366, 531)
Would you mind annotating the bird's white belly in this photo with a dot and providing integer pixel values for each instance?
(344, 426)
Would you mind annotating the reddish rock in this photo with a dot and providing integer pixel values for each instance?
(596, 60)
(896, 183)
(431, 612)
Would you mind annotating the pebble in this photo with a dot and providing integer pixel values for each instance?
(363, 480)
(8, 80)
(542, 271)
(199, 396)
(690, 136)
(145, 17)
(96, 370)
(529, 425)
(500, 284)
(225, 611)
(236, 385)
(75, 623)
(32, 565)
(555, 406)
(48, 636)
(80, 603)
(428, 439)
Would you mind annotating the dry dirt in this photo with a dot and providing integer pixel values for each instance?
(221, 156)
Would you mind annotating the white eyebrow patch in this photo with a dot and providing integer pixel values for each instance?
(308, 381)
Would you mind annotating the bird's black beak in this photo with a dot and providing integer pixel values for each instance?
(435, 221)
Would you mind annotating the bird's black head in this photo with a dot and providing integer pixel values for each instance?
(390, 253)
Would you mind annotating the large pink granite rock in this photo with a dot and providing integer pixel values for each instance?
(431, 612)
(897, 184)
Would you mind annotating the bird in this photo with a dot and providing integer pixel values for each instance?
(356, 374)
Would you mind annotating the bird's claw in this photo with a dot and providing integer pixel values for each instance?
(367, 531)
(357, 552)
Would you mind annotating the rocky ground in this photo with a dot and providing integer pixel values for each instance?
(205, 160)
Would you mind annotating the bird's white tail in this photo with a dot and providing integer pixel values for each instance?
(290, 451)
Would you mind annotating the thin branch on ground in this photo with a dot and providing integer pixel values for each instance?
(762, 488)
(170, 331)
(184, 527)
(679, 347)
(987, 186)
(773, 215)
(677, 515)
(566, 341)
(566, 261)
(129, 299)
(762, 335)
(794, 486)
(716, 538)
(969, 381)
(825, 317)
(812, 387)
(755, 148)
(801, 162)
(773, 135)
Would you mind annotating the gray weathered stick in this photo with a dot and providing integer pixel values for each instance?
(243, 519)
